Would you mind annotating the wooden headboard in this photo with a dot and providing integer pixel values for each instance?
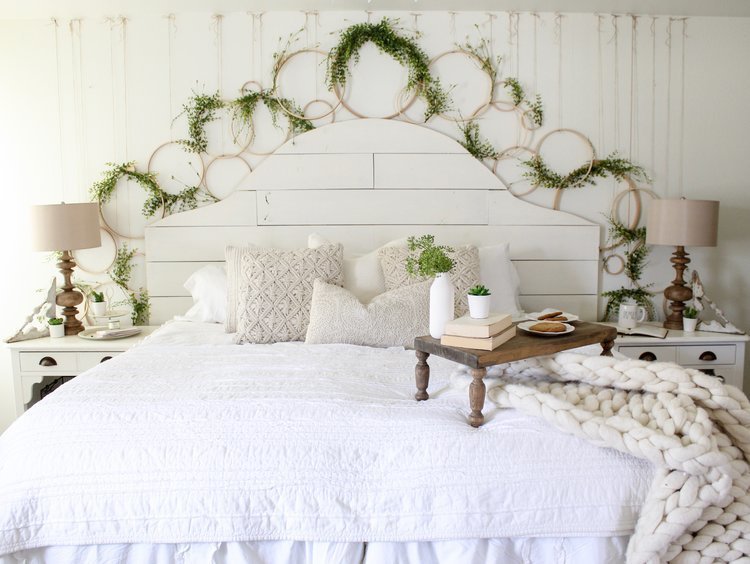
(368, 181)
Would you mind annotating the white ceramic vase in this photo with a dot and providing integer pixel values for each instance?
(479, 306)
(441, 304)
(56, 331)
(689, 325)
(99, 309)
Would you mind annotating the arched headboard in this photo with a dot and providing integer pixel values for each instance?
(365, 182)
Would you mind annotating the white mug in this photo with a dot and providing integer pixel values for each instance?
(630, 315)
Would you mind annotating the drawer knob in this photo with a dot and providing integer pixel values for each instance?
(708, 356)
(104, 359)
(48, 361)
(648, 356)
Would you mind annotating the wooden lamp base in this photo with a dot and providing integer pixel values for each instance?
(69, 298)
(678, 293)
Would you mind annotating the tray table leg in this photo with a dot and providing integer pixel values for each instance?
(422, 376)
(477, 391)
(607, 348)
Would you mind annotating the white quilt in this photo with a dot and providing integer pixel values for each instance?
(173, 443)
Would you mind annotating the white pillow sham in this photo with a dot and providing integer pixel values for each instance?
(391, 319)
(208, 288)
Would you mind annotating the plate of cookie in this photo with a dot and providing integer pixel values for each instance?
(552, 315)
(546, 328)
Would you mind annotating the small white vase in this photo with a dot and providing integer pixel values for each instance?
(689, 325)
(479, 306)
(99, 309)
(442, 294)
(56, 331)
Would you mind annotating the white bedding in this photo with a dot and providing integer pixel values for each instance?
(176, 442)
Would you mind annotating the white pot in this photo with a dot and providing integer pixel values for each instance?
(689, 325)
(99, 309)
(479, 307)
(441, 304)
(56, 331)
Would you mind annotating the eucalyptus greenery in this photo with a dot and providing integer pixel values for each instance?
(120, 272)
(200, 110)
(635, 260)
(518, 96)
(244, 107)
(617, 167)
(404, 50)
(473, 142)
(487, 62)
(140, 307)
(428, 259)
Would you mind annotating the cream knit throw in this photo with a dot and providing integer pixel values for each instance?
(695, 429)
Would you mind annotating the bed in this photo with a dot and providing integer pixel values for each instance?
(191, 448)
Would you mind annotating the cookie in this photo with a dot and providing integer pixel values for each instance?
(548, 315)
(558, 318)
(548, 327)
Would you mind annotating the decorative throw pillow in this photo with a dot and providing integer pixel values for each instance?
(233, 256)
(277, 288)
(391, 319)
(208, 287)
(464, 275)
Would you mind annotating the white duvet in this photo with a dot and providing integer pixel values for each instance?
(175, 442)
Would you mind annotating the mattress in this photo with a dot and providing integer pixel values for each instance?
(190, 443)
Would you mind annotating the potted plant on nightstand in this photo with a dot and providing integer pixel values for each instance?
(689, 319)
(479, 302)
(56, 327)
(98, 305)
(429, 259)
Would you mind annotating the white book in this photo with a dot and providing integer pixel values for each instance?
(481, 328)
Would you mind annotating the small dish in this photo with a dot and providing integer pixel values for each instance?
(534, 316)
(92, 334)
(526, 326)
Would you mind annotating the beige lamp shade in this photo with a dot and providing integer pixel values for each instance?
(683, 223)
(65, 227)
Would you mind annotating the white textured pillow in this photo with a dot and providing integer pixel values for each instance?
(363, 275)
(276, 291)
(394, 318)
(208, 287)
(498, 273)
(233, 256)
(464, 275)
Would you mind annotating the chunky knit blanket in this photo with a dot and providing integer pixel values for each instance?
(695, 429)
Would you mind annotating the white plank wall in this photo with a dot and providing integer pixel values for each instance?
(367, 182)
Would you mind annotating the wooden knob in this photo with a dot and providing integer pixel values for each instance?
(105, 358)
(648, 356)
(48, 361)
(708, 356)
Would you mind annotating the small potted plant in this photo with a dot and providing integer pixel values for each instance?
(689, 319)
(98, 305)
(56, 327)
(479, 302)
(428, 259)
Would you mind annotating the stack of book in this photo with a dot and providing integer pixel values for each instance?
(483, 334)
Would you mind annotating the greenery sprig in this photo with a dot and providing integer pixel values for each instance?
(404, 50)
(120, 272)
(243, 109)
(473, 142)
(200, 110)
(640, 295)
(518, 96)
(489, 63)
(617, 167)
(429, 259)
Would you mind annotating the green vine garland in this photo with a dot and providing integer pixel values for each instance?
(187, 199)
(635, 260)
(617, 167)
(404, 50)
(487, 62)
(244, 107)
(478, 147)
(200, 110)
(120, 273)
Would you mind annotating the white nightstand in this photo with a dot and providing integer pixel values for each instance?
(39, 363)
(719, 354)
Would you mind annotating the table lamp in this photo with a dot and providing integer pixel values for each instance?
(66, 227)
(682, 223)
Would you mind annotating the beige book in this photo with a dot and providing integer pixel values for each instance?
(482, 344)
(481, 328)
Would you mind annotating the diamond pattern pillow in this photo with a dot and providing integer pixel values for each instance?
(464, 275)
(276, 291)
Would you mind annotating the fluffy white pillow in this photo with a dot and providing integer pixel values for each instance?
(394, 318)
(498, 273)
(363, 275)
(208, 287)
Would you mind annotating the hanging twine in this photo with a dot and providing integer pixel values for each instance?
(616, 82)
(170, 64)
(559, 38)
(76, 58)
(680, 170)
(55, 26)
(415, 21)
(535, 15)
(600, 81)
(653, 92)
(452, 27)
(668, 188)
(218, 41)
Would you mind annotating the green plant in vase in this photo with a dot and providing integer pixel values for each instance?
(428, 259)
(56, 327)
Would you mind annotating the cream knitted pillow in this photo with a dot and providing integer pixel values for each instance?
(390, 319)
(276, 290)
(464, 275)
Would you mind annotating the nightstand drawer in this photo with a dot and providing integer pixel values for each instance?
(700, 355)
(654, 353)
(48, 362)
(88, 360)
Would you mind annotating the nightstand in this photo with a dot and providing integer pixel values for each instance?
(41, 365)
(719, 354)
